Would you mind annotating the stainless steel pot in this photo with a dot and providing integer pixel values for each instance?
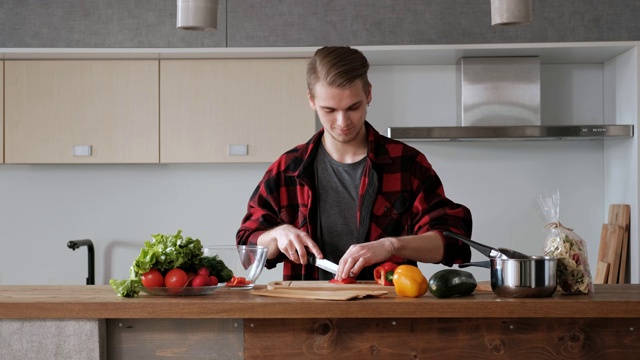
(514, 274)
(521, 278)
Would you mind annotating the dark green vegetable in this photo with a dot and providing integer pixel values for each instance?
(452, 282)
(216, 267)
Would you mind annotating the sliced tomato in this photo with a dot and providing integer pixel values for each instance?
(349, 280)
(237, 281)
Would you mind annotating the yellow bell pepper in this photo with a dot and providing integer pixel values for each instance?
(409, 281)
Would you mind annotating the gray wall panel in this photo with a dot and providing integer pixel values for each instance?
(386, 22)
(251, 23)
(100, 24)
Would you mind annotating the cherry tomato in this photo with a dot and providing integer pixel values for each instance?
(152, 278)
(203, 271)
(176, 278)
(213, 280)
(343, 281)
(200, 280)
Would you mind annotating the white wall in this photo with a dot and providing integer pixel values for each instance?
(622, 104)
(499, 181)
(119, 206)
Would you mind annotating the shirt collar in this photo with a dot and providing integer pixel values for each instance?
(303, 159)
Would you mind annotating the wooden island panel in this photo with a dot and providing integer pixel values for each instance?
(434, 338)
(191, 339)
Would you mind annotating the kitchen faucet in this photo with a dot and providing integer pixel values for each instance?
(76, 244)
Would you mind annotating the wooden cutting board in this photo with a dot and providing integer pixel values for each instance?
(602, 273)
(609, 252)
(620, 214)
(484, 286)
(300, 293)
(361, 285)
(327, 286)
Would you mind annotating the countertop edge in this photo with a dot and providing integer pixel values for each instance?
(100, 302)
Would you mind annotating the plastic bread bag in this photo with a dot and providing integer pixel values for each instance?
(573, 273)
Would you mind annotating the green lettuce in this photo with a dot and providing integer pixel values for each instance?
(164, 252)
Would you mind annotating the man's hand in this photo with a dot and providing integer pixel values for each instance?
(426, 248)
(359, 256)
(293, 242)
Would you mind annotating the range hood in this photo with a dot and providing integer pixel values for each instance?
(503, 133)
(499, 99)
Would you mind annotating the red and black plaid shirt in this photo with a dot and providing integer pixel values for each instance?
(409, 200)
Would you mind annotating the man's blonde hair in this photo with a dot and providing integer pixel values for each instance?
(338, 66)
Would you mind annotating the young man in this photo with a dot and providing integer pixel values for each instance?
(351, 195)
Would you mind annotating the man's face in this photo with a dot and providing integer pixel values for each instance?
(342, 111)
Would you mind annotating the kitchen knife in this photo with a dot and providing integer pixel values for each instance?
(322, 263)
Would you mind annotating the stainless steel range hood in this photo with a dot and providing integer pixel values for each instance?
(504, 133)
(498, 100)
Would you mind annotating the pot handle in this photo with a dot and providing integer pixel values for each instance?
(484, 264)
(483, 249)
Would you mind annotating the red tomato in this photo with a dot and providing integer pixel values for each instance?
(200, 280)
(152, 278)
(213, 280)
(176, 278)
(203, 271)
(343, 281)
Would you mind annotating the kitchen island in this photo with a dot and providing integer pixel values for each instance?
(236, 324)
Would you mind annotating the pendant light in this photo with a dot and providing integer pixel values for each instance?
(199, 15)
(511, 12)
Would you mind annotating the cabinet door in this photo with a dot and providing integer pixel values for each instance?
(211, 107)
(82, 111)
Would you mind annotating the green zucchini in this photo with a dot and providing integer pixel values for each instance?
(452, 282)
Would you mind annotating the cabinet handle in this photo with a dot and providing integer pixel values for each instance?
(81, 150)
(238, 149)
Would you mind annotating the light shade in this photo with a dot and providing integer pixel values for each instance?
(511, 12)
(200, 15)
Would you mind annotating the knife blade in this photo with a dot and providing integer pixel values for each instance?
(322, 264)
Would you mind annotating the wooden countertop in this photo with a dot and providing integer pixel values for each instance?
(100, 301)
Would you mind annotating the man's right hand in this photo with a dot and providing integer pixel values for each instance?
(291, 241)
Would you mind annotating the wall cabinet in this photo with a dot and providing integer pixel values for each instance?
(81, 111)
(232, 110)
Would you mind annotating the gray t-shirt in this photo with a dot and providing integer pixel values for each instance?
(338, 186)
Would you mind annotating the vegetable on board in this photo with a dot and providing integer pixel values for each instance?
(383, 274)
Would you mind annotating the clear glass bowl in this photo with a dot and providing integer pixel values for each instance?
(245, 261)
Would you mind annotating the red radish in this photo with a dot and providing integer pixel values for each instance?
(200, 280)
(203, 271)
